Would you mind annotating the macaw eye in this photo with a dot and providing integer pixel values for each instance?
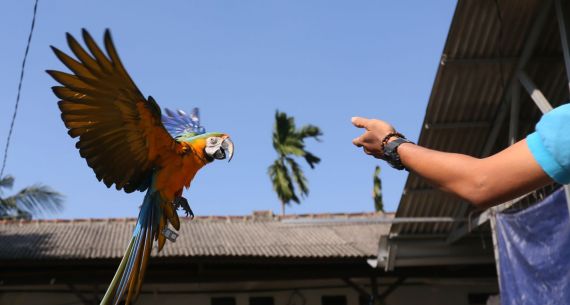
(213, 140)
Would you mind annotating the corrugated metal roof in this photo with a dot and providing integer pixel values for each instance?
(478, 62)
(203, 236)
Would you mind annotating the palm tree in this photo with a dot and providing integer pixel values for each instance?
(285, 173)
(32, 200)
(377, 191)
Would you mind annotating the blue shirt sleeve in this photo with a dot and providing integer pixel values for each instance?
(550, 143)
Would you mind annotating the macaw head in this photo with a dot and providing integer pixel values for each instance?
(214, 145)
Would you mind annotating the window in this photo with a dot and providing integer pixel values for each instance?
(261, 301)
(333, 300)
(224, 301)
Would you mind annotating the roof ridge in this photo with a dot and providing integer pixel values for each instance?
(206, 217)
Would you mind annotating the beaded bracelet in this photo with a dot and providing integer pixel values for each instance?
(388, 136)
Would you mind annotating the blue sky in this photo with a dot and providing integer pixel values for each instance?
(320, 61)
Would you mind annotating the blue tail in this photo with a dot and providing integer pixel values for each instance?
(129, 276)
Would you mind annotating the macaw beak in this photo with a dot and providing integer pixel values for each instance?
(228, 147)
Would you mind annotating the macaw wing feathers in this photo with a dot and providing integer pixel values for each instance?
(120, 132)
(180, 123)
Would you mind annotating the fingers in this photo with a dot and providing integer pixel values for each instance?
(357, 141)
(360, 122)
(371, 139)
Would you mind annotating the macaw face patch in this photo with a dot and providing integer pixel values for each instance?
(219, 148)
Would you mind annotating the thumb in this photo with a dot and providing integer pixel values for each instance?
(359, 122)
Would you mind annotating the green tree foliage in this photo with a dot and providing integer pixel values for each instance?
(377, 191)
(30, 201)
(286, 174)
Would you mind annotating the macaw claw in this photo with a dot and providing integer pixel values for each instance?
(181, 202)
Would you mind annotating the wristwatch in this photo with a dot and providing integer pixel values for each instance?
(391, 153)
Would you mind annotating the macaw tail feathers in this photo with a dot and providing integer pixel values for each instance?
(129, 276)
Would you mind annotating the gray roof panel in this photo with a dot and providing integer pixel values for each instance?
(203, 236)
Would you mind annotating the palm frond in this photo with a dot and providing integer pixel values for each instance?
(283, 129)
(24, 215)
(6, 182)
(298, 176)
(310, 131)
(293, 150)
(7, 207)
(282, 183)
(35, 200)
(311, 159)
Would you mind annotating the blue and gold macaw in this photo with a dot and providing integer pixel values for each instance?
(129, 143)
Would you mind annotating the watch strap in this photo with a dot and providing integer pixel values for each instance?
(391, 152)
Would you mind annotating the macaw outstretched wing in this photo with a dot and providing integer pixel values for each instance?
(180, 123)
(120, 132)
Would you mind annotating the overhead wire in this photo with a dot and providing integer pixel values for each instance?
(10, 131)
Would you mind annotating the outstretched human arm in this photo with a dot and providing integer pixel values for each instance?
(483, 182)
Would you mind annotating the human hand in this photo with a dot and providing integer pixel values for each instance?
(371, 139)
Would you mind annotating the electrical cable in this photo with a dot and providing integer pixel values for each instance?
(19, 90)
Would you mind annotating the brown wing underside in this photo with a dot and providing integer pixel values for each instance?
(120, 132)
